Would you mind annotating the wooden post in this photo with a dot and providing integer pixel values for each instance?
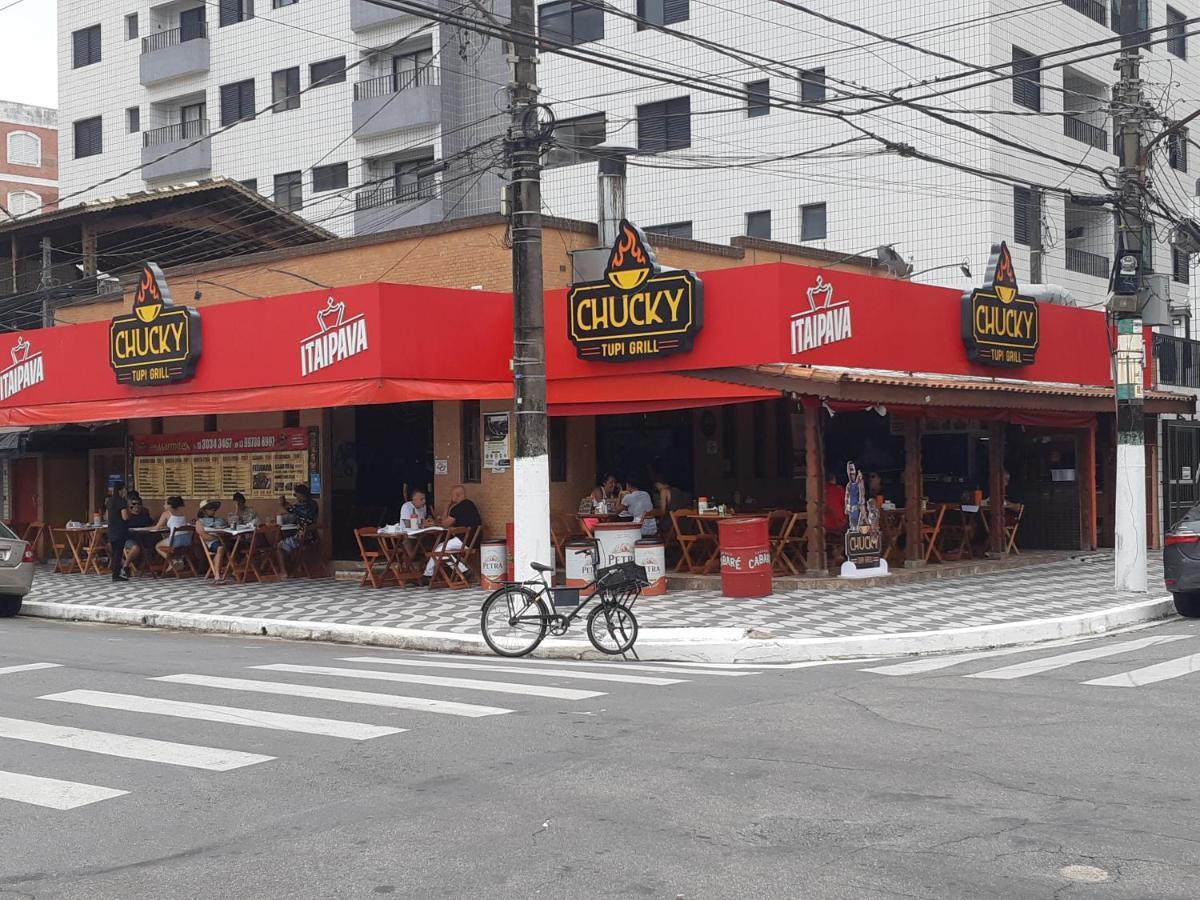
(814, 456)
(1085, 472)
(1153, 486)
(12, 243)
(87, 238)
(914, 553)
(996, 484)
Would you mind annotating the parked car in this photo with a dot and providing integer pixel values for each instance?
(1181, 563)
(16, 571)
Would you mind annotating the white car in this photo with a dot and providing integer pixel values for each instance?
(16, 571)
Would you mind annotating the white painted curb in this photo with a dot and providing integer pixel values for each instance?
(718, 645)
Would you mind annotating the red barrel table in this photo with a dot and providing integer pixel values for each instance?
(745, 557)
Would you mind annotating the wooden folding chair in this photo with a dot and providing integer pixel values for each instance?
(64, 557)
(931, 532)
(35, 537)
(692, 540)
(1012, 522)
(562, 532)
(789, 552)
(96, 555)
(779, 521)
(260, 555)
(181, 563)
(446, 561)
(310, 542)
(210, 557)
(372, 557)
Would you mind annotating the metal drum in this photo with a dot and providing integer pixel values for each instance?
(651, 555)
(616, 540)
(580, 570)
(745, 557)
(493, 563)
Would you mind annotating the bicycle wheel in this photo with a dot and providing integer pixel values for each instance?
(612, 628)
(513, 621)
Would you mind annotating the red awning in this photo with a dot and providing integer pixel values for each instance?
(615, 394)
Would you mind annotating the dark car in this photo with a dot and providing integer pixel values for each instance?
(1181, 563)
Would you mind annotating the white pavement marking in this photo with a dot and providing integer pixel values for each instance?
(1172, 668)
(467, 684)
(1046, 664)
(313, 692)
(663, 668)
(52, 793)
(230, 715)
(518, 670)
(129, 747)
(28, 667)
(933, 663)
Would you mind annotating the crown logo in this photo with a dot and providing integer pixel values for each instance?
(332, 315)
(20, 351)
(821, 289)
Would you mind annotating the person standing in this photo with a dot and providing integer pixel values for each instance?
(118, 531)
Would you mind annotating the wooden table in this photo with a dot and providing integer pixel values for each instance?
(233, 539)
(706, 527)
(407, 551)
(83, 542)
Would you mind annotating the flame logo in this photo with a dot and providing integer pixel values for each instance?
(148, 301)
(629, 263)
(1004, 282)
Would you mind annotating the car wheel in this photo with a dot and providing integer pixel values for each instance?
(9, 606)
(1187, 605)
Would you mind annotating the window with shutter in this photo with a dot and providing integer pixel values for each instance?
(331, 177)
(234, 11)
(22, 202)
(89, 140)
(666, 125)
(662, 12)
(758, 98)
(1026, 217)
(1180, 266)
(237, 101)
(1177, 142)
(86, 46)
(24, 148)
(1027, 79)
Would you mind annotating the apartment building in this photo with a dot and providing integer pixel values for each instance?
(29, 164)
(358, 117)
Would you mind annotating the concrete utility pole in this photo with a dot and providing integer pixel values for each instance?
(531, 462)
(1130, 113)
(47, 280)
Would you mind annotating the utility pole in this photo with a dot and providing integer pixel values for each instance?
(1130, 115)
(531, 460)
(47, 272)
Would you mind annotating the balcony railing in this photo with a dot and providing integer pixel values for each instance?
(160, 40)
(396, 82)
(1093, 9)
(181, 131)
(1088, 263)
(1079, 130)
(422, 189)
(1177, 361)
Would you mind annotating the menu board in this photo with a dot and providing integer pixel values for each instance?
(148, 476)
(206, 476)
(290, 468)
(177, 476)
(261, 465)
(235, 474)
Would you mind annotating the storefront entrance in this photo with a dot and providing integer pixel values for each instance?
(1181, 469)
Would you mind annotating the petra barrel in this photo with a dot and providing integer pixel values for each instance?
(580, 566)
(493, 563)
(650, 554)
(745, 557)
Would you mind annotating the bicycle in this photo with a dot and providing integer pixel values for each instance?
(516, 617)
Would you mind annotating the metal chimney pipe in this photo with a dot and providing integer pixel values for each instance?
(610, 196)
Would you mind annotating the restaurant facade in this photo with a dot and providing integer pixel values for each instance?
(747, 382)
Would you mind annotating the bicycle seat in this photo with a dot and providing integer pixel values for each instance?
(541, 567)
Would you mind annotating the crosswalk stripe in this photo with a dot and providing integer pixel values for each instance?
(1048, 663)
(52, 793)
(314, 692)
(665, 668)
(467, 684)
(128, 746)
(933, 663)
(1172, 668)
(518, 670)
(230, 715)
(28, 667)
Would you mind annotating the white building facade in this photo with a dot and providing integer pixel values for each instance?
(358, 117)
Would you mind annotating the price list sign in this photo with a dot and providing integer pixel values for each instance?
(260, 464)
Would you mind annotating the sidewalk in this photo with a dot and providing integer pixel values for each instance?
(1044, 601)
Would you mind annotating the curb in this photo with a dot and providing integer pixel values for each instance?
(714, 645)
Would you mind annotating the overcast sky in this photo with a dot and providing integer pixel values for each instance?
(29, 63)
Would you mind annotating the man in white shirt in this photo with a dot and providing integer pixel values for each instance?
(637, 505)
(415, 508)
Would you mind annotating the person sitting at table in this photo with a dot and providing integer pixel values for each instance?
(172, 518)
(607, 488)
(415, 508)
(139, 517)
(207, 518)
(302, 512)
(242, 514)
(669, 498)
(118, 531)
(462, 513)
(637, 505)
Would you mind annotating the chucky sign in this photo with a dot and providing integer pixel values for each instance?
(158, 343)
(999, 326)
(640, 311)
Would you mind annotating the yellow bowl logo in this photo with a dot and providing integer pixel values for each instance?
(628, 279)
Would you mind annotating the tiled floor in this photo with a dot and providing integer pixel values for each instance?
(1038, 591)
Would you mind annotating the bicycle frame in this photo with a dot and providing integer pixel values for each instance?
(546, 592)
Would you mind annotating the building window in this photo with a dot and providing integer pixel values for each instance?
(233, 11)
(289, 190)
(133, 119)
(662, 12)
(558, 448)
(328, 71)
(758, 224)
(1177, 144)
(1138, 15)
(285, 89)
(279, 4)
(89, 137)
(1027, 216)
(758, 98)
(572, 138)
(1027, 79)
(411, 70)
(570, 22)
(472, 448)
(812, 86)
(813, 222)
(131, 27)
(22, 202)
(86, 44)
(331, 177)
(672, 229)
(250, 184)
(666, 125)
(24, 148)
(1093, 9)
(237, 101)
(1181, 269)
(1176, 33)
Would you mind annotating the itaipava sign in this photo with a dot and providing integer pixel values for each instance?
(999, 326)
(640, 310)
(158, 342)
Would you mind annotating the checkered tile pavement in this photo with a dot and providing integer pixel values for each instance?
(1039, 591)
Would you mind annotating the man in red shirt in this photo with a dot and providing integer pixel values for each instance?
(835, 505)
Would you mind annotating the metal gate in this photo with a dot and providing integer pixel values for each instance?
(1181, 468)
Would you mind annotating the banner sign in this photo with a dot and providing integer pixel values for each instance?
(864, 541)
(158, 343)
(260, 464)
(999, 326)
(640, 311)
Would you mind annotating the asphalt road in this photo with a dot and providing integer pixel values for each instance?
(809, 782)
